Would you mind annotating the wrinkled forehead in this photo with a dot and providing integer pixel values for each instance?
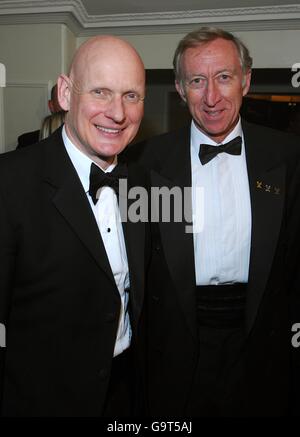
(216, 49)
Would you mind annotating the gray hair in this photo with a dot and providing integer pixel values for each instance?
(204, 35)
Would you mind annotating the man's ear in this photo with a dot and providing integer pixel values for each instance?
(246, 82)
(180, 90)
(64, 91)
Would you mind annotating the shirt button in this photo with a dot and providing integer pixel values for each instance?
(108, 229)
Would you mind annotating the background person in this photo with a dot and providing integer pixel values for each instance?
(51, 123)
(33, 137)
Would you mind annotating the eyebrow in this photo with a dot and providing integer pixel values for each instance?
(227, 70)
(102, 87)
(224, 70)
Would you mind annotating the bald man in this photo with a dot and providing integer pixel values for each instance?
(71, 275)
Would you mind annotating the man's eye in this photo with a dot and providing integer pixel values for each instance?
(132, 97)
(224, 77)
(196, 82)
(102, 93)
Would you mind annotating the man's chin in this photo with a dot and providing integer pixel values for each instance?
(108, 154)
(217, 133)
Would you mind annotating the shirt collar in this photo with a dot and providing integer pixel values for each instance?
(198, 137)
(82, 162)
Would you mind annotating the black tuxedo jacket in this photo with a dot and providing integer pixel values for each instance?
(58, 298)
(28, 138)
(172, 327)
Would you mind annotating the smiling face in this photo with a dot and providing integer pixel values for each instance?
(213, 85)
(104, 98)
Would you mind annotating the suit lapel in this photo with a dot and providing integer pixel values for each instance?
(134, 234)
(176, 172)
(267, 192)
(70, 200)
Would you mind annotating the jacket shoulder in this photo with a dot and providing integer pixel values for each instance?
(286, 143)
(23, 162)
(157, 148)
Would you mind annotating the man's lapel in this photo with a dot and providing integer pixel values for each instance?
(69, 198)
(267, 192)
(176, 241)
(134, 234)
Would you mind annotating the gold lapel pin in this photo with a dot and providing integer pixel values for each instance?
(260, 185)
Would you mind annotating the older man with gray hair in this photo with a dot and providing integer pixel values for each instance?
(218, 333)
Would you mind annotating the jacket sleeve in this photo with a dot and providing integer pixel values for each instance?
(7, 263)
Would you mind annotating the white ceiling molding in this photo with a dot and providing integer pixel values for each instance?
(74, 15)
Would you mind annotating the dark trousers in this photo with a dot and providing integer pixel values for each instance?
(219, 371)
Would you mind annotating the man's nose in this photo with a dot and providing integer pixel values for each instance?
(212, 93)
(116, 109)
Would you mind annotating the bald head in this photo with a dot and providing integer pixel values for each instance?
(103, 95)
(104, 50)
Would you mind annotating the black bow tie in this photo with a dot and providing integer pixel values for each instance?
(99, 178)
(208, 152)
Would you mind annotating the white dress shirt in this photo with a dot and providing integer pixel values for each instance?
(222, 248)
(108, 219)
